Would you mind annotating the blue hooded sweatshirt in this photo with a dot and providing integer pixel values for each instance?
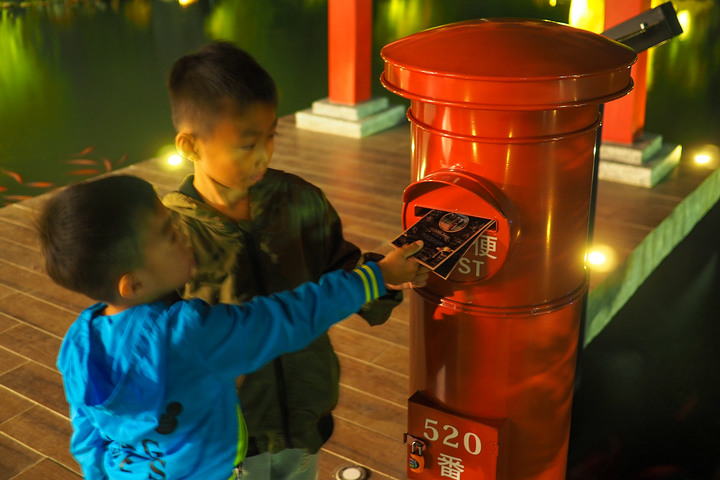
(152, 389)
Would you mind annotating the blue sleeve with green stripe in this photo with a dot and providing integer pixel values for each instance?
(266, 327)
(370, 273)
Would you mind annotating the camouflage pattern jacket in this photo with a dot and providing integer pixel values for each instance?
(295, 236)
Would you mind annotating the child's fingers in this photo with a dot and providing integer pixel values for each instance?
(421, 277)
(412, 248)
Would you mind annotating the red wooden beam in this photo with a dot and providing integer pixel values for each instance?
(624, 119)
(349, 45)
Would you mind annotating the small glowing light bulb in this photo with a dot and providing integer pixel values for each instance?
(174, 159)
(596, 258)
(702, 158)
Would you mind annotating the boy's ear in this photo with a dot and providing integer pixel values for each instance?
(185, 145)
(129, 286)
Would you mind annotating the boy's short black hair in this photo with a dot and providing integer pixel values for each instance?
(216, 77)
(90, 233)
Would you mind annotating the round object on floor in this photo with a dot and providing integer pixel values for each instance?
(352, 473)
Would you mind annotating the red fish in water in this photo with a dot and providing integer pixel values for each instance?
(85, 171)
(82, 161)
(14, 175)
(2, 189)
(39, 184)
(108, 164)
(84, 152)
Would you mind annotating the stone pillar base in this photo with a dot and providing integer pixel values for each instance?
(643, 163)
(357, 121)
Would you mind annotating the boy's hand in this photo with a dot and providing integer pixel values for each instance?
(398, 268)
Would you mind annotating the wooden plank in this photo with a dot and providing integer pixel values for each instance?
(38, 285)
(373, 413)
(45, 316)
(47, 432)
(10, 360)
(12, 405)
(22, 213)
(32, 343)
(367, 448)
(395, 358)
(38, 383)
(20, 234)
(16, 457)
(330, 463)
(395, 330)
(48, 469)
(377, 381)
(355, 344)
(22, 255)
(5, 290)
(6, 321)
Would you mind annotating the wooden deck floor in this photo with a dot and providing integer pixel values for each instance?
(364, 179)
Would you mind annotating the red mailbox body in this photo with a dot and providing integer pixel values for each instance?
(504, 118)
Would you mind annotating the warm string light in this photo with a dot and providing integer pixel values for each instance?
(702, 159)
(707, 156)
(601, 258)
(174, 159)
(596, 258)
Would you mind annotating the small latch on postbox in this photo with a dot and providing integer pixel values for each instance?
(416, 457)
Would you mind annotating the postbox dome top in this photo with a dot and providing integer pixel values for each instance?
(518, 63)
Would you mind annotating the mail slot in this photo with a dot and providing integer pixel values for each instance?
(462, 192)
(504, 118)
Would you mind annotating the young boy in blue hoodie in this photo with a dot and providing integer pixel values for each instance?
(150, 378)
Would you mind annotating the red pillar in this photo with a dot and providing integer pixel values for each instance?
(624, 119)
(349, 44)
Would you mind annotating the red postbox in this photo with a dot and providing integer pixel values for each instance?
(504, 118)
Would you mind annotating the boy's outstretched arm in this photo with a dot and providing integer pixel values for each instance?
(398, 267)
(285, 321)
